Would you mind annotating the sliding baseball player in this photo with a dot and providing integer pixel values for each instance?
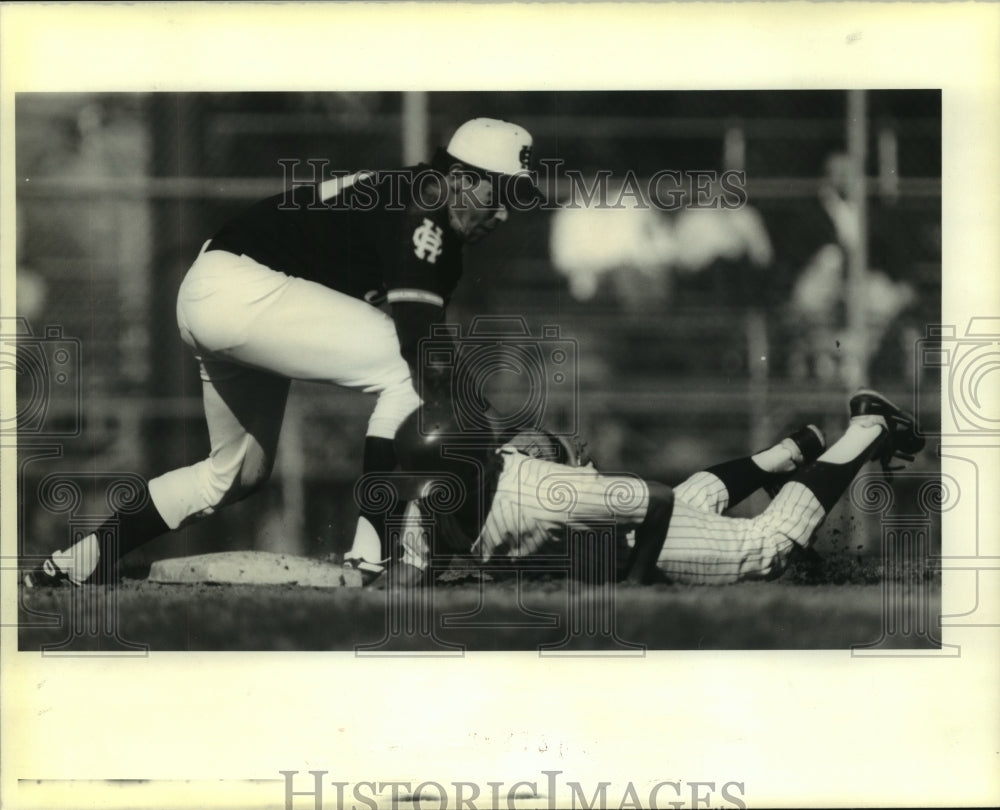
(522, 496)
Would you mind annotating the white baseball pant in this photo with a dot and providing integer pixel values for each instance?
(253, 330)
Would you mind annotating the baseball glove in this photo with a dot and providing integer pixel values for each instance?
(538, 443)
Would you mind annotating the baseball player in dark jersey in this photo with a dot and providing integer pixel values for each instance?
(291, 289)
(525, 498)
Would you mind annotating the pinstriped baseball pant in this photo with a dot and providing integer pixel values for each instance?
(704, 547)
(535, 500)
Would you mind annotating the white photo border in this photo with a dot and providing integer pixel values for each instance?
(796, 728)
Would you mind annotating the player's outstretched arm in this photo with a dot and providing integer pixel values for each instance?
(650, 535)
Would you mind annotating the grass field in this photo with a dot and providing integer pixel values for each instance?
(787, 614)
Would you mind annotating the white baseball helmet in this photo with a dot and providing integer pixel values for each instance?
(493, 146)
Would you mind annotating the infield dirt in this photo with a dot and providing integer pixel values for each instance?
(491, 616)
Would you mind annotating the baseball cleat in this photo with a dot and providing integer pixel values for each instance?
(369, 571)
(805, 445)
(901, 440)
(48, 575)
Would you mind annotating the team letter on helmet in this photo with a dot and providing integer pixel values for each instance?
(502, 149)
(493, 146)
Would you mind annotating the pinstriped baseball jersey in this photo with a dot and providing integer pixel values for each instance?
(536, 499)
(704, 547)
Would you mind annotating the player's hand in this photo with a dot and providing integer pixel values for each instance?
(580, 453)
(538, 443)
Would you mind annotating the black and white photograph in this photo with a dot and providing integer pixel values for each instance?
(319, 381)
(403, 433)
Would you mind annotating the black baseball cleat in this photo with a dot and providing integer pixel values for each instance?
(369, 571)
(48, 575)
(809, 443)
(901, 441)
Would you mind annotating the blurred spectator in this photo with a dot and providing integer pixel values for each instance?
(31, 294)
(822, 346)
(631, 246)
(639, 250)
(706, 235)
(32, 289)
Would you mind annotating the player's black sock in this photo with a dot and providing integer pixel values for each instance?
(380, 456)
(742, 477)
(125, 531)
(832, 473)
(829, 481)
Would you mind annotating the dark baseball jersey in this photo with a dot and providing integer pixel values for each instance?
(376, 236)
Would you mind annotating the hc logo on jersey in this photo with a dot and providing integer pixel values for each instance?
(427, 241)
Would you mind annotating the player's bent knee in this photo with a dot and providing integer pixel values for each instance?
(769, 559)
(393, 406)
(254, 472)
(252, 480)
(227, 483)
(241, 487)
